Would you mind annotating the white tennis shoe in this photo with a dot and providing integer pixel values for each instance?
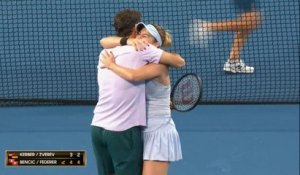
(238, 67)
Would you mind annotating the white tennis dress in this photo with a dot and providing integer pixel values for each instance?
(161, 139)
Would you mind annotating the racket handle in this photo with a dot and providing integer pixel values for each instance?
(171, 106)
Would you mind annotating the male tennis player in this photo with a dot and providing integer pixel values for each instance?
(121, 109)
(248, 20)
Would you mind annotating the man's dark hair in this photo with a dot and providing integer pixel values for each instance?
(125, 20)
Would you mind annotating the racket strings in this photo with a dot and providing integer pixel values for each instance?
(186, 93)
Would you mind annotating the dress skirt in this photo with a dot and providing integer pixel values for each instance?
(161, 140)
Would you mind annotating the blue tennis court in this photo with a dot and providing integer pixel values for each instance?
(216, 139)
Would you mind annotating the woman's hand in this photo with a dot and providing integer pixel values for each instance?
(108, 59)
(138, 44)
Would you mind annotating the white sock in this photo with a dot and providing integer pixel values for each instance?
(233, 60)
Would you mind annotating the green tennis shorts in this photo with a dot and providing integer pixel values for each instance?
(119, 153)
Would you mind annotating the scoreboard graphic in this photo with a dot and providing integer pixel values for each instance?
(45, 158)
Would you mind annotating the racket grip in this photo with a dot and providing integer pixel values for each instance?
(171, 106)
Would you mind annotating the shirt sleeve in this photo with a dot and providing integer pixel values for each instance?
(152, 54)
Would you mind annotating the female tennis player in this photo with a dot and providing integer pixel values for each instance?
(161, 139)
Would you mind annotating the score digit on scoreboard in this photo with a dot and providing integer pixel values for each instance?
(45, 158)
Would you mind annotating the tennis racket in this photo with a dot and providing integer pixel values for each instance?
(186, 92)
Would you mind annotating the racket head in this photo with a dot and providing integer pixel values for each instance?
(186, 92)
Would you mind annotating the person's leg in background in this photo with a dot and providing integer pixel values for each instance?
(246, 23)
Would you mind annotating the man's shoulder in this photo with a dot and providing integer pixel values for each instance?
(149, 50)
(121, 48)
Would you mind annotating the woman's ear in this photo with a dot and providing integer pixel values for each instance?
(156, 44)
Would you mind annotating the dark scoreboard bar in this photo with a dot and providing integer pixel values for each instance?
(45, 158)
